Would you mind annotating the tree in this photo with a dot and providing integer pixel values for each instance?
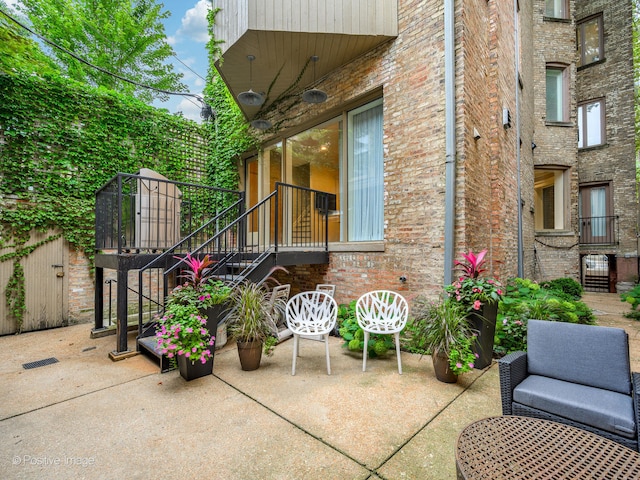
(123, 37)
(18, 53)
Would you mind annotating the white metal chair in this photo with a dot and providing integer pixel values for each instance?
(327, 288)
(311, 313)
(382, 312)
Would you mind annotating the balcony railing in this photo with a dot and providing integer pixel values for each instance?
(599, 230)
(136, 213)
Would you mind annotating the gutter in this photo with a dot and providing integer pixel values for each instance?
(450, 140)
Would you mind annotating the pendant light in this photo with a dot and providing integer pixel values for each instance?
(314, 95)
(260, 124)
(250, 97)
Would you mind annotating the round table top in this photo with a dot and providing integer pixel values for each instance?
(512, 447)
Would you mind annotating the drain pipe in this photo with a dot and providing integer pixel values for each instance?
(450, 140)
(518, 172)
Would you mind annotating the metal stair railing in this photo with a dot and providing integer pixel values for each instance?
(241, 245)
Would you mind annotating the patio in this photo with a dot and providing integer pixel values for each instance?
(87, 417)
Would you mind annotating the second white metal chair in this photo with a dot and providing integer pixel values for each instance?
(311, 313)
(382, 312)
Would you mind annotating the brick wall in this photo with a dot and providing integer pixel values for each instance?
(410, 73)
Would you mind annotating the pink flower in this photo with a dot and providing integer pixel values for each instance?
(499, 291)
(188, 354)
(170, 354)
(476, 355)
(471, 365)
(458, 365)
(477, 304)
(189, 330)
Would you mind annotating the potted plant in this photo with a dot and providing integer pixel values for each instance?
(209, 294)
(251, 322)
(442, 328)
(479, 296)
(182, 335)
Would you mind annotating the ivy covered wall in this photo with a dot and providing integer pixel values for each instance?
(60, 141)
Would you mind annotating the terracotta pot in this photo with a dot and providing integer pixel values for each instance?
(250, 354)
(442, 368)
(190, 371)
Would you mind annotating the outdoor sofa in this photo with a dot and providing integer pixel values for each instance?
(574, 374)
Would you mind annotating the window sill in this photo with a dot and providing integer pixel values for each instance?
(356, 246)
(587, 65)
(593, 147)
(555, 233)
(556, 19)
(558, 124)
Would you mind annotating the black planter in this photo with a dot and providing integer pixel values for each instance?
(191, 371)
(215, 315)
(484, 322)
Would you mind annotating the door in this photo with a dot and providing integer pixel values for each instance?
(596, 221)
(46, 286)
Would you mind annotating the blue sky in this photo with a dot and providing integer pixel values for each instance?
(186, 31)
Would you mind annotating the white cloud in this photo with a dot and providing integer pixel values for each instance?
(190, 108)
(194, 23)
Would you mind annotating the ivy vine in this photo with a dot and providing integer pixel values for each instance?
(60, 141)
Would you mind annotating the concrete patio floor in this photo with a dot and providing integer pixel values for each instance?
(88, 417)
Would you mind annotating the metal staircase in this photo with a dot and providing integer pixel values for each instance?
(288, 227)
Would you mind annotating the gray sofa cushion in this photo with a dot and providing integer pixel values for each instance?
(585, 354)
(602, 409)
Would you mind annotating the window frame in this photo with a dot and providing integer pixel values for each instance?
(580, 37)
(564, 6)
(564, 69)
(582, 124)
(561, 181)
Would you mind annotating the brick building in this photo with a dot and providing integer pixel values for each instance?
(421, 174)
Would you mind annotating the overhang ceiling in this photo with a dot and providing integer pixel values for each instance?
(281, 52)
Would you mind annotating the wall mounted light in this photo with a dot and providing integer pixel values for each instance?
(314, 95)
(251, 98)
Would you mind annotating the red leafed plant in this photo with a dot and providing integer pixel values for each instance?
(199, 270)
(472, 267)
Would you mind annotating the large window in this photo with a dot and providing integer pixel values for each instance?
(556, 9)
(590, 40)
(550, 197)
(351, 168)
(591, 123)
(557, 95)
(365, 171)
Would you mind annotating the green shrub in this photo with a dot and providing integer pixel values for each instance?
(632, 297)
(353, 335)
(566, 285)
(524, 299)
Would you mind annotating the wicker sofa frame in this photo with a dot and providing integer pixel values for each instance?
(513, 369)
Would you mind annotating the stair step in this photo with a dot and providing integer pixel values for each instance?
(149, 346)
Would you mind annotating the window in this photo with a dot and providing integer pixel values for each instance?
(550, 197)
(556, 9)
(557, 93)
(591, 123)
(597, 225)
(365, 173)
(590, 40)
(321, 158)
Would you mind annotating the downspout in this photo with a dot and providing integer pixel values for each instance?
(518, 172)
(450, 139)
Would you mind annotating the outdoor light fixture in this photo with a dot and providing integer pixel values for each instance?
(206, 112)
(314, 95)
(251, 98)
(261, 124)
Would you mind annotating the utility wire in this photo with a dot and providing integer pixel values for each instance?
(82, 60)
(192, 70)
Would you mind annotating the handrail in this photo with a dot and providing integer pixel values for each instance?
(242, 240)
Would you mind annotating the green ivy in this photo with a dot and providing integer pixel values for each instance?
(60, 141)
